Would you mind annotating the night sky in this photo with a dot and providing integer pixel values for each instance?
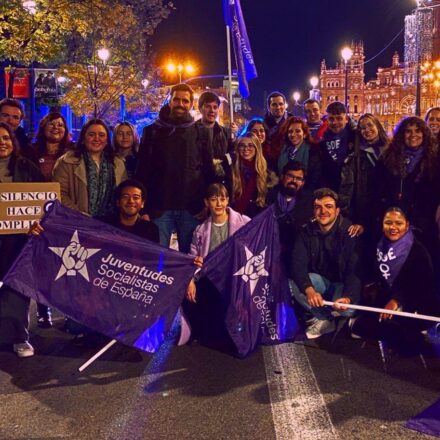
(289, 38)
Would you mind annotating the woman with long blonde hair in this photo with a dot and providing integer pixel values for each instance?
(247, 177)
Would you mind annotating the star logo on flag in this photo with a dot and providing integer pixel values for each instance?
(254, 269)
(73, 258)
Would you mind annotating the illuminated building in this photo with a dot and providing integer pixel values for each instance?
(392, 95)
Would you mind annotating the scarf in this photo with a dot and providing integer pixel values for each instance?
(391, 256)
(273, 124)
(375, 148)
(412, 158)
(100, 185)
(337, 145)
(285, 205)
(164, 120)
(301, 154)
(248, 177)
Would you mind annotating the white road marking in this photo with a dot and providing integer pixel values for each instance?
(298, 407)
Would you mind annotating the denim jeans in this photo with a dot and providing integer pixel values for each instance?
(180, 221)
(329, 291)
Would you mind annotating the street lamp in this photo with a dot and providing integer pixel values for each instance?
(346, 53)
(296, 97)
(103, 54)
(180, 68)
(314, 93)
(30, 6)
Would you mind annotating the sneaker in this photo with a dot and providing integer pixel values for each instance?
(24, 349)
(351, 322)
(319, 327)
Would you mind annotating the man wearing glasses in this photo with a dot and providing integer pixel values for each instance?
(12, 113)
(293, 204)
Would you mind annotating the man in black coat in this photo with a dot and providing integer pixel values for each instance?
(325, 265)
(293, 206)
(176, 165)
(276, 113)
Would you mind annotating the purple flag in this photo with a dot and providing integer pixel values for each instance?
(109, 280)
(248, 271)
(242, 47)
(428, 421)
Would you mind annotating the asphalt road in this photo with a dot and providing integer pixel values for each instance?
(323, 389)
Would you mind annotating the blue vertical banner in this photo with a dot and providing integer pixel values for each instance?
(248, 271)
(242, 47)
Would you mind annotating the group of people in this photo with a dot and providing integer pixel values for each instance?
(358, 211)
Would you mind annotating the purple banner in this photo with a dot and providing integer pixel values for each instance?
(109, 280)
(428, 421)
(248, 271)
(242, 47)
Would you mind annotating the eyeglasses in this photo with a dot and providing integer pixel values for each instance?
(246, 147)
(296, 178)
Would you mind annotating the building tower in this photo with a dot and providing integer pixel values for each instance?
(332, 81)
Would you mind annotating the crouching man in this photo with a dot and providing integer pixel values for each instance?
(325, 265)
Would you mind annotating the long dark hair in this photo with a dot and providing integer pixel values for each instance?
(40, 138)
(394, 155)
(15, 147)
(254, 121)
(80, 146)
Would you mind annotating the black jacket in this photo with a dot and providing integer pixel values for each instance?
(413, 288)
(416, 194)
(22, 139)
(273, 125)
(290, 223)
(335, 252)
(142, 228)
(220, 140)
(11, 244)
(358, 188)
(175, 164)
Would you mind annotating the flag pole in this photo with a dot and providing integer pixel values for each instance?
(96, 356)
(228, 47)
(388, 312)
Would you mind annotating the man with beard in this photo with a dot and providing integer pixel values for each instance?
(175, 165)
(325, 265)
(293, 204)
